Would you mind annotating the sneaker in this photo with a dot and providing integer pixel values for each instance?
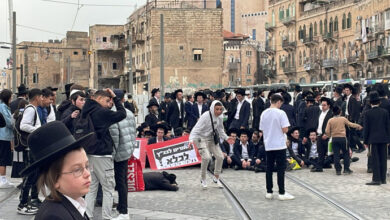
(26, 209)
(122, 217)
(286, 196)
(269, 196)
(204, 184)
(36, 203)
(6, 184)
(216, 181)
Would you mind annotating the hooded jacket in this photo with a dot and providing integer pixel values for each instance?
(203, 128)
(102, 119)
(63, 106)
(67, 119)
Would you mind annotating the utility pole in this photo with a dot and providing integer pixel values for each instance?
(14, 52)
(162, 55)
(331, 82)
(130, 84)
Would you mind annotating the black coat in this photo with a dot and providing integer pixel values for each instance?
(67, 119)
(238, 150)
(2, 121)
(310, 118)
(188, 109)
(14, 104)
(225, 147)
(385, 103)
(62, 108)
(164, 110)
(300, 112)
(173, 114)
(194, 115)
(308, 147)
(153, 140)
(157, 181)
(65, 210)
(259, 152)
(102, 119)
(243, 115)
(290, 112)
(376, 126)
(152, 119)
(354, 109)
(328, 116)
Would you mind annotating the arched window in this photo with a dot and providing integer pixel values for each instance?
(349, 20)
(313, 79)
(325, 53)
(291, 81)
(288, 11)
(300, 33)
(325, 26)
(315, 28)
(336, 24)
(293, 9)
(344, 51)
(273, 17)
(248, 69)
(344, 22)
(280, 61)
(315, 54)
(311, 30)
(304, 32)
(331, 25)
(302, 80)
(345, 76)
(300, 58)
(349, 49)
(321, 31)
(304, 56)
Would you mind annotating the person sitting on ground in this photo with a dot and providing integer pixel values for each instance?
(259, 158)
(73, 111)
(311, 154)
(295, 143)
(153, 117)
(243, 151)
(63, 169)
(161, 130)
(228, 149)
(160, 181)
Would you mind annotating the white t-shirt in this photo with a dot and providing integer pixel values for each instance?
(271, 123)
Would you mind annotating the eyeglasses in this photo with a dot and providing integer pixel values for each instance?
(79, 171)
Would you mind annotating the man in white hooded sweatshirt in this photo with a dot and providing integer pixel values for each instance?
(202, 135)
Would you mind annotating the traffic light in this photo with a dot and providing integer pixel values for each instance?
(146, 87)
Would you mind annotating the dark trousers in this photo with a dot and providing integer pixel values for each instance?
(29, 182)
(256, 122)
(278, 156)
(353, 140)
(262, 166)
(235, 124)
(322, 149)
(226, 165)
(120, 169)
(379, 162)
(339, 143)
(237, 161)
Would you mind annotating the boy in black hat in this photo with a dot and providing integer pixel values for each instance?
(156, 94)
(164, 106)
(198, 108)
(228, 149)
(176, 110)
(376, 137)
(243, 151)
(160, 131)
(63, 169)
(22, 94)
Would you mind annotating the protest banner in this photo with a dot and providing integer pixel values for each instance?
(140, 150)
(171, 154)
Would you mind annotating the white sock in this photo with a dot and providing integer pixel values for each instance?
(3, 179)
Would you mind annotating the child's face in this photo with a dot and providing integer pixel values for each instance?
(244, 138)
(295, 134)
(69, 183)
(313, 136)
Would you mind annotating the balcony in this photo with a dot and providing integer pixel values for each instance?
(305, 1)
(330, 37)
(138, 39)
(270, 50)
(289, 46)
(287, 21)
(288, 70)
(310, 41)
(375, 54)
(329, 63)
(386, 52)
(379, 28)
(269, 73)
(355, 61)
(269, 27)
(309, 67)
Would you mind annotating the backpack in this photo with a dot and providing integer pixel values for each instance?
(21, 136)
(82, 126)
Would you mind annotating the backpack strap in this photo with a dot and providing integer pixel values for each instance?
(35, 115)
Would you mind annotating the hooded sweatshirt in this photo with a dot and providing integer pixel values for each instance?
(102, 119)
(203, 128)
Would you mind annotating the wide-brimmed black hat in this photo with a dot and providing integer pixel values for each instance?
(67, 88)
(244, 131)
(153, 103)
(200, 94)
(22, 90)
(233, 130)
(219, 94)
(349, 86)
(155, 90)
(177, 91)
(374, 96)
(240, 91)
(52, 89)
(161, 125)
(49, 142)
(310, 98)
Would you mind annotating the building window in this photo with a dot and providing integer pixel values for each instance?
(248, 53)
(321, 32)
(248, 69)
(344, 22)
(114, 66)
(84, 52)
(75, 53)
(181, 47)
(325, 26)
(99, 67)
(302, 80)
(315, 28)
(336, 24)
(35, 77)
(349, 20)
(104, 39)
(198, 55)
(300, 58)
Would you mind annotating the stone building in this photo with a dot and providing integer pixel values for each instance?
(193, 46)
(107, 48)
(307, 40)
(53, 63)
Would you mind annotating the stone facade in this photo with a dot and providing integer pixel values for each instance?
(107, 48)
(193, 47)
(309, 39)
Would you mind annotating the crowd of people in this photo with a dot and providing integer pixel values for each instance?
(272, 133)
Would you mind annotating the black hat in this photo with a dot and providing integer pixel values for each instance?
(233, 130)
(245, 131)
(326, 99)
(22, 90)
(177, 91)
(171, 177)
(339, 89)
(310, 98)
(152, 103)
(49, 142)
(162, 125)
(308, 131)
(167, 95)
(292, 130)
(374, 97)
(67, 88)
(119, 93)
(155, 90)
(240, 91)
(297, 88)
(200, 94)
(52, 89)
(149, 133)
(349, 86)
(219, 94)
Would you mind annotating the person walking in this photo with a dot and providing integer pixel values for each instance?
(274, 124)
(376, 137)
(6, 138)
(202, 135)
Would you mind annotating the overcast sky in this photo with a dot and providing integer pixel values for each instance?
(58, 18)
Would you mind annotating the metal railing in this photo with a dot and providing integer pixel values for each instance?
(329, 63)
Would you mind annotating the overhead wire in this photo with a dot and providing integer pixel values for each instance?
(39, 29)
(77, 12)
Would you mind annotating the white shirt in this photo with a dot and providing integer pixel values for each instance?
(200, 109)
(79, 204)
(231, 149)
(244, 153)
(158, 100)
(321, 121)
(237, 116)
(294, 146)
(271, 123)
(178, 104)
(346, 108)
(313, 151)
